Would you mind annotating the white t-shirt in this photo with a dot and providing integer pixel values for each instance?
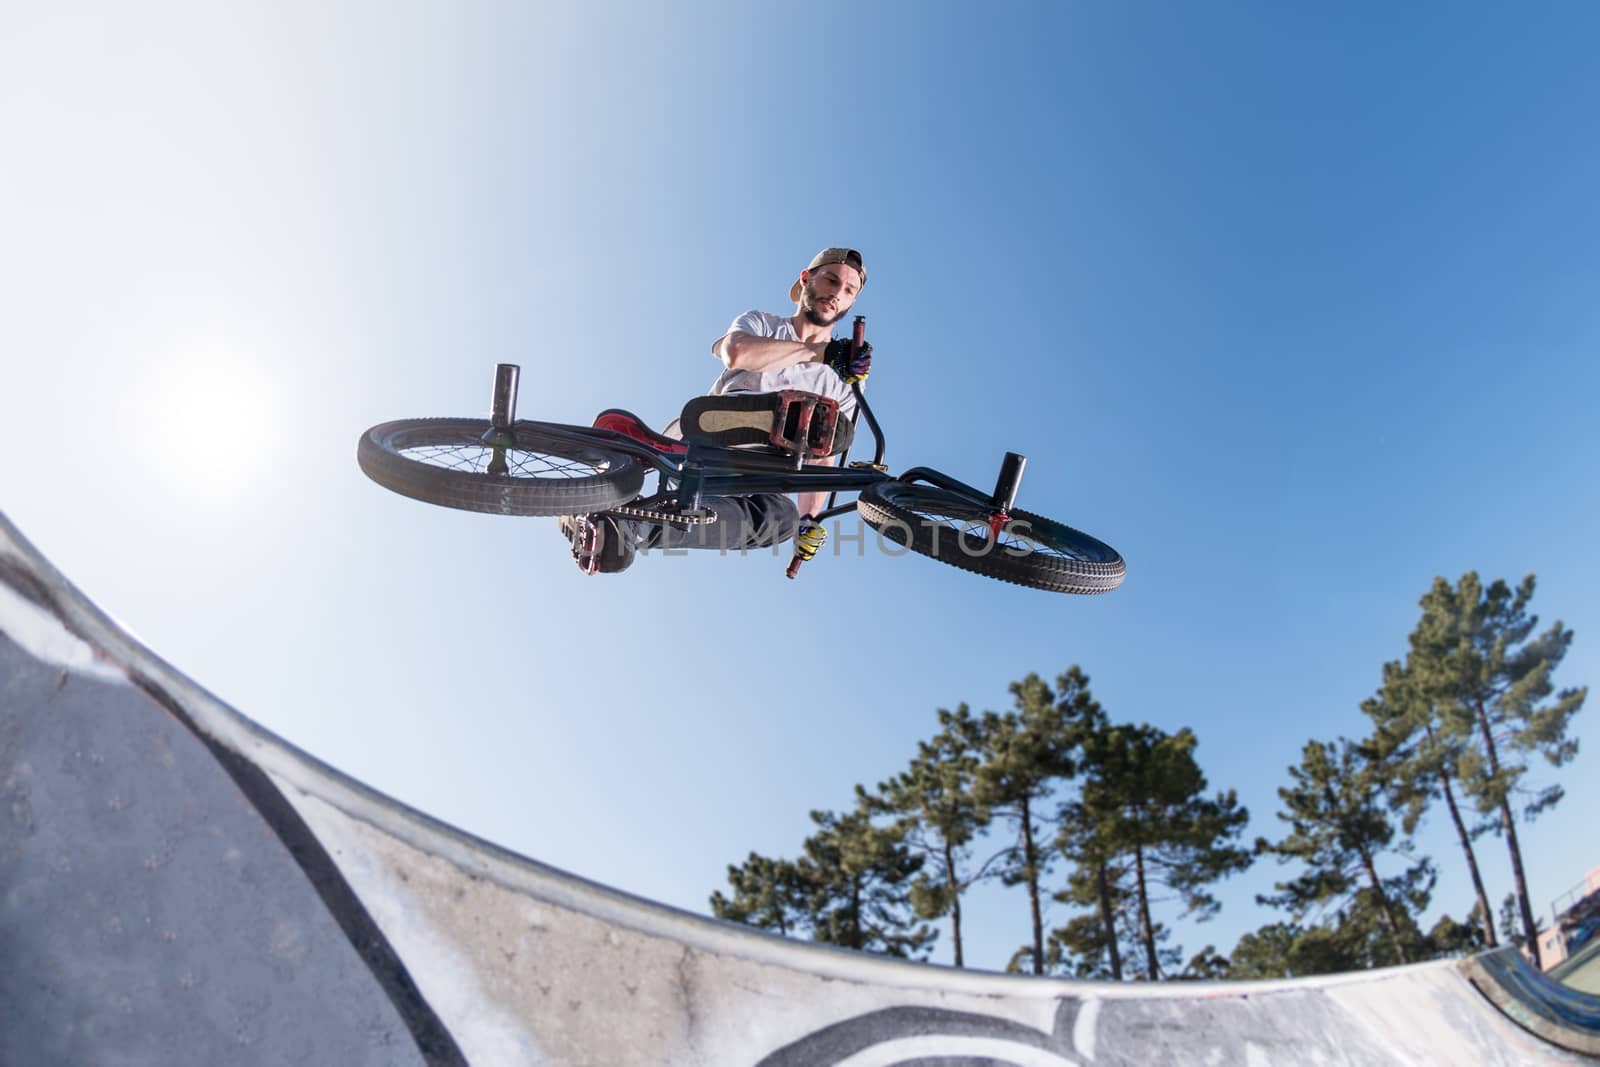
(811, 377)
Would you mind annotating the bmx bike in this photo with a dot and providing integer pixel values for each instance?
(510, 466)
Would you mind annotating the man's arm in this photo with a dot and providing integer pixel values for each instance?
(744, 351)
(814, 503)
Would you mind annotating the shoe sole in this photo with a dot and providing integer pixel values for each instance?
(743, 419)
(722, 421)
(732, 419)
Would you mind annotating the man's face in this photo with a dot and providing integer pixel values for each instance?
(828, 292)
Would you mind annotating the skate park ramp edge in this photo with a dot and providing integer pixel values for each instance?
(177, 884)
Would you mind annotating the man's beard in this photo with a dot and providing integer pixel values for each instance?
(808, 308)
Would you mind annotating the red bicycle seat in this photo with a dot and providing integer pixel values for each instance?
(627, 423)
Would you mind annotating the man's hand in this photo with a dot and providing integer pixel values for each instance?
(837, 358)
(811, 536)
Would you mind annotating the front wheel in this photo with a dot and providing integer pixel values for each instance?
(529, 472)
(1029, 550)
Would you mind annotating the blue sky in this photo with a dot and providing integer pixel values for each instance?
(1295, 306)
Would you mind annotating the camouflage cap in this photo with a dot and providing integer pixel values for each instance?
(847, 256)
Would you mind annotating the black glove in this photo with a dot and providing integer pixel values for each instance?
(837, 358)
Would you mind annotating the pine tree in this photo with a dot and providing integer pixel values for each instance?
(1509, 908)
(940, 816)
(1475, 656)
(1027, 753)
(1207, 965)
(1420, 759)
(851, 887)
(1290, 950)
(1338, 830)
(1142, 824)
(1355, 938)
(1451, 938)
(768, 893)
(859, 878)
(1093, 944)
(1371, 924)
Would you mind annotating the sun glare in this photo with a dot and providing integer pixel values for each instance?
(213, 421)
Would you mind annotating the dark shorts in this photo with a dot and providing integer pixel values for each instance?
(743, 523)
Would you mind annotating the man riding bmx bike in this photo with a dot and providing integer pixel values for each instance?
(762, 354)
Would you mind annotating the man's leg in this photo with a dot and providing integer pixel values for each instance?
(743, 522)
(607, 544)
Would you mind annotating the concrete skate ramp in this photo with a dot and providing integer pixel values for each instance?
(178, 886)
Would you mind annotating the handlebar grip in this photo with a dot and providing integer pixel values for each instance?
(794, 566)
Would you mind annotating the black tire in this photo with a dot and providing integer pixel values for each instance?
(445, 462)
(1033, 551)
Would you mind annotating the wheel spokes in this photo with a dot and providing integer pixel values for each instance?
(1012, 535)
(472, 457)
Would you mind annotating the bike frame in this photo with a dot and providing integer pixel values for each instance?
(706, 470)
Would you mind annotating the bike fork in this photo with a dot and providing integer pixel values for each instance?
(502, 413)
(1005, 493)
(691, 479)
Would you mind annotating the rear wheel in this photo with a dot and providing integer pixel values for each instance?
(1029, 550)
(532, 472)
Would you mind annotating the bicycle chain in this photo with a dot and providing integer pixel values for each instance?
(705, 519)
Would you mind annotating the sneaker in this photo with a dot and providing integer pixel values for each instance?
(731, 420)
(599, 545)
(737, 420)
